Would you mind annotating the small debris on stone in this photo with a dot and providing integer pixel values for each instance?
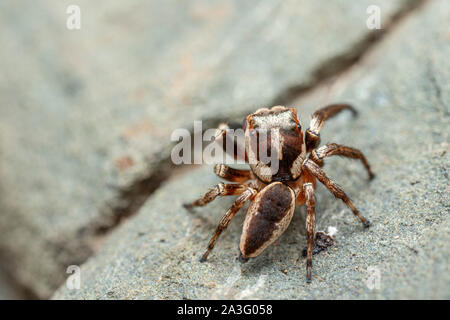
(321, 242)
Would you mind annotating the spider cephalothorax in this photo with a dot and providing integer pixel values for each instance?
(275, 188)
(283, 133)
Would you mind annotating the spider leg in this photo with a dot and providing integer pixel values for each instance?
(310, 226)
(312, 137)
(315, 170)
(233, 145)
(227, 217)
(222, 189)
(230, 174)
(333, 149)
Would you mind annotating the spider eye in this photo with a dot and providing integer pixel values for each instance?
(299, 126)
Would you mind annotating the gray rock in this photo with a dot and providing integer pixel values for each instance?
(86, 115)
(402, 93)
(7, 290)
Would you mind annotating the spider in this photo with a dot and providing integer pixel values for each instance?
(273, 195)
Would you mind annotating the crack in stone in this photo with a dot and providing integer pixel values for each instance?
(437, 88)
(344, 61)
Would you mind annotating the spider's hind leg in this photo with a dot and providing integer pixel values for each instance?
(336, 190)
(222, 189)
(248, 194)
(310, 226)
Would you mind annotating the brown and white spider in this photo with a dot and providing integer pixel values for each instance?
(274, 194)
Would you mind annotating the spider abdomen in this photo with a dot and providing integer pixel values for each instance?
(267, 218)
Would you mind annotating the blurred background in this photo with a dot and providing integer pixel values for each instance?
(90, 92)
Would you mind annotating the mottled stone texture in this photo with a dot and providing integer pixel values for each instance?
(401, 90)
(86, 115)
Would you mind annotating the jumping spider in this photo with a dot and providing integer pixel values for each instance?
(274, 196)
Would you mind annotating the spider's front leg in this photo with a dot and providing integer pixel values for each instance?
(312, 135)
(230, 174)
(333, 149)
(315, 170)
(233, 145)
(248, 194)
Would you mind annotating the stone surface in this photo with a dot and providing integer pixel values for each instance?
(86, 115)
(402, 93)
(7, 290)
